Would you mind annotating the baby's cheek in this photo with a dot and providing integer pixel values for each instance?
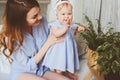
(70, 21)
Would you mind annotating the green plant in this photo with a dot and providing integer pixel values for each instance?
(109, 54)
(106, 44)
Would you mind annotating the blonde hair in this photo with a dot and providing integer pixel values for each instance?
(59, 7)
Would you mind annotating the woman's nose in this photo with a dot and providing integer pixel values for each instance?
(39, 17)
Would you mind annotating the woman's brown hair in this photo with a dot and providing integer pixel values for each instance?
(14, 23)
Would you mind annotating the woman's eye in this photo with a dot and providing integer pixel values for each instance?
(34, 16)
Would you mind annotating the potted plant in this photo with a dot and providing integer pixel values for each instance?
(103, 51)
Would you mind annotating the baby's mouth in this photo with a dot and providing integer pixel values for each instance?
(66, 20)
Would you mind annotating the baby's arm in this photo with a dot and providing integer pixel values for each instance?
(59, 32)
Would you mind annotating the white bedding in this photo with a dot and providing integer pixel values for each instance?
(5, 67)
(4, 64)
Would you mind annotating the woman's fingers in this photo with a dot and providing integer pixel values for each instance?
(53, 40)
(59, 40)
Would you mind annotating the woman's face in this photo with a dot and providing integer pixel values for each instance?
(33, 16)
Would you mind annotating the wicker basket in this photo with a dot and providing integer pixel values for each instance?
(93, 66)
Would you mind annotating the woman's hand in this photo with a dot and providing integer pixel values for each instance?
(53, 40)
(50, 41)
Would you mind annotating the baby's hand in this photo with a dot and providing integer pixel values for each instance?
(67, 22)
(80, 28)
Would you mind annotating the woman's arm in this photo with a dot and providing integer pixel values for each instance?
(50, 41)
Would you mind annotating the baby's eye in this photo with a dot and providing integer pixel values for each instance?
(69, 13)
(63, 14)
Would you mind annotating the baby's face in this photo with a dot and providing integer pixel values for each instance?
(65, 16)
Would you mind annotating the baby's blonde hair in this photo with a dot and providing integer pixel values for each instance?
(59, 7)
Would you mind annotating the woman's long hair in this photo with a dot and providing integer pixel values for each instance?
(14, 23)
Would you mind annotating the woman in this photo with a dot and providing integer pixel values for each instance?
(25, 35)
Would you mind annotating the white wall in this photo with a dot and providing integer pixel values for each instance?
(110, 12)
(50, 11)
(80, 7)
